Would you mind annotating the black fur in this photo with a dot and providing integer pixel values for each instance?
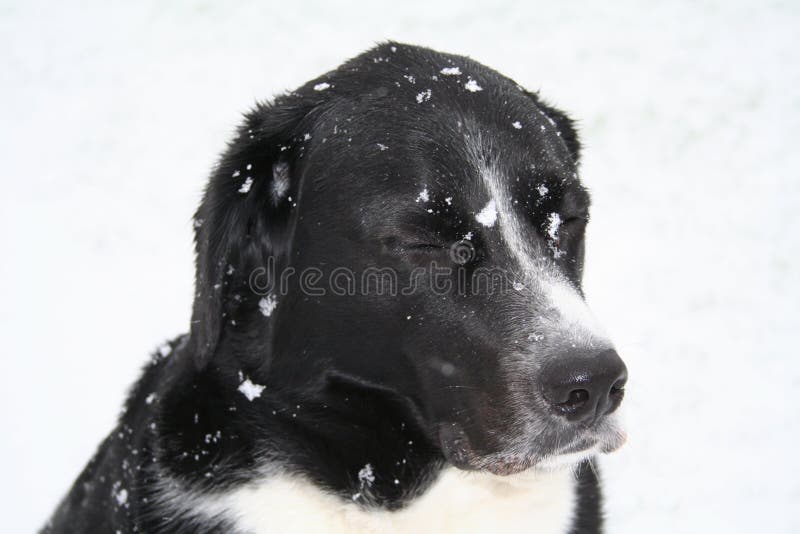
(346, 377)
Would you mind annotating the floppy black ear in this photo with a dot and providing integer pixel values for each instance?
(244, 217)
(563, 123)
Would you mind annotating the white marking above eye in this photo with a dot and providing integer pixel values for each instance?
(566, 314)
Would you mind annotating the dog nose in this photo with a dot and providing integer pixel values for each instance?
(585, 388)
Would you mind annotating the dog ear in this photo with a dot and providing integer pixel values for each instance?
(563, 124)
(244, 217)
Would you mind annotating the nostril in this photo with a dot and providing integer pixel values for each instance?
(585, 388)
(576, 400)
(616, 394)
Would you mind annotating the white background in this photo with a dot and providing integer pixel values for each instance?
(112, 116)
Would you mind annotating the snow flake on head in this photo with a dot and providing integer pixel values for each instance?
(250, 390)
(120, 494)
(165, 350)
(517, 125)
(248, 183)
(488, 215)
(382, 147)
(410, 78)
(322, 86)
(542, 189)
(472, 86)
(424, 96)
(267, 305)
(451, 71)
(549, 119)
(423, 196)
(449, 201)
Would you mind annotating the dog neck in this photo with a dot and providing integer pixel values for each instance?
(457, 501)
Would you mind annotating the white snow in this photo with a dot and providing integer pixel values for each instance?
(423, 196)
(472, 86)
(267, 305)
(246, 185)
(322, 86)
(553, 225)
(488, 215)
(691, 257)
(542, 189)
(121, 496)
(517, 125)
(382, 147)
(424, 96)
(164, 350)
(451, 71)
(250, 390)
(366, 476)
(448, 201)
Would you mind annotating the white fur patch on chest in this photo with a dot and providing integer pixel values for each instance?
(458, 501)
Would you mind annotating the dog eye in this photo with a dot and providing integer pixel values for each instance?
(424, 246)
(575, 220)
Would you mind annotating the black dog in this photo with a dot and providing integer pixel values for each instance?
(388, 331)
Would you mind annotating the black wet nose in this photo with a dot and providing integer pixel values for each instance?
(584, 387)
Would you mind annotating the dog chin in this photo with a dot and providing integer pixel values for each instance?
(569, 457)
(458, 451)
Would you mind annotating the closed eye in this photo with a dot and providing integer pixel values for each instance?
(425, 246)
(574, 219)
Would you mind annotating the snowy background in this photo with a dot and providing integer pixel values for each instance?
(690, 112)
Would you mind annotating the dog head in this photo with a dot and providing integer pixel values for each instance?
(413, 222)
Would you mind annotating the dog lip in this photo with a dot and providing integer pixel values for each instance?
(511, 467)
(456, 447)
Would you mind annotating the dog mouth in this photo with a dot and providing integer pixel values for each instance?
(519, 458)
